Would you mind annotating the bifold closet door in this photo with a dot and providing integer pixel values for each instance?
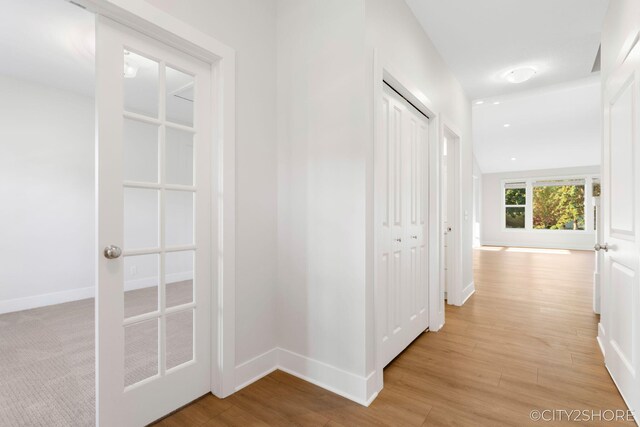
(401, 275)
(154, 227)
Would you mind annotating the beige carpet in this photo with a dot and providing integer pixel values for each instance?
(47, 364)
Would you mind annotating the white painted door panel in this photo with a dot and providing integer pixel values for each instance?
(619, 330)
(154, 202)
(402, 278)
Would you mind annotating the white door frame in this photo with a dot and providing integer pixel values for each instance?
(151, 21)
(455, 289)
(383, 71)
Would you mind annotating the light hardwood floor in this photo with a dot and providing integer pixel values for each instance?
(524, 341)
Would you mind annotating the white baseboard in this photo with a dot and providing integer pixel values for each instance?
(147, 282)
(346, 384)
(600, 337)
(256, 368)
(469, 290)
(53, 298)
(596, 292)
(357, 388)
(43, 300)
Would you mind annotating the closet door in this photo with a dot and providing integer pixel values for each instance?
(401, 174)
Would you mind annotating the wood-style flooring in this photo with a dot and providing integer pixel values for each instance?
(525, 341)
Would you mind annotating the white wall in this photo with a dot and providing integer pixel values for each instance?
(249, 27)
(46, 192)
(322, 134)
(325, 134)
(493, 231)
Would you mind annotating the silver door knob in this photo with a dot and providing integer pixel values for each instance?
(599, 247)
(112, 252)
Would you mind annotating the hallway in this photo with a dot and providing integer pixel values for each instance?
(525, 341)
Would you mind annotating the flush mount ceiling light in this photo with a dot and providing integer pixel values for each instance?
(496, 103)
(506, 125)
(479, 102)
(130, 71)
(520, 75)
(513, 159)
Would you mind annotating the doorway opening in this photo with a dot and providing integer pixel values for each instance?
(79, 334)
(451, 218)
(47, 219)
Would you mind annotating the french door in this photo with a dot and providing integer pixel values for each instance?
(401, 261)
(154, 227)
(619, 330)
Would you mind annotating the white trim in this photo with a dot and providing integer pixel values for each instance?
(601, 337)
(61, 297)
(362, 390)
(161, 26)
(44, 300)
(336, 380)
(252, 370)
(468, 290)
(454, 290)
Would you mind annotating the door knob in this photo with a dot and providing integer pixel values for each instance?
(414, 237)
(112, 252)
(599, 247)
(398, 240)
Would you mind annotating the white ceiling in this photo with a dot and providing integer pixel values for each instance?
(555, 127)
(49, 42)
(482, 40)
(52, 42)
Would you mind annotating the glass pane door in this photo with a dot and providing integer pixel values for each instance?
(154, 168)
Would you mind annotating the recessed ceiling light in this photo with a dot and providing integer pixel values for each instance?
(479, 102)
(513, 158)
(506, 125)
(520, 75)
(496, 103)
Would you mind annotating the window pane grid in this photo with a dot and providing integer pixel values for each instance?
(182, 134)
(550, 203)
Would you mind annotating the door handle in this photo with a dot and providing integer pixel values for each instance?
(398, 240)
(112, 252)
(599, 247)
(414, 237)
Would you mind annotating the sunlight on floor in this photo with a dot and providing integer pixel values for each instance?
(525, 250)
(540, 251)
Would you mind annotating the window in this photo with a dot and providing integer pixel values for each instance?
(515, 201)
(558, 204)
(562, 204)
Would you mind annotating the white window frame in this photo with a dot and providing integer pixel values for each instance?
(525, 206)
(528, 211)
